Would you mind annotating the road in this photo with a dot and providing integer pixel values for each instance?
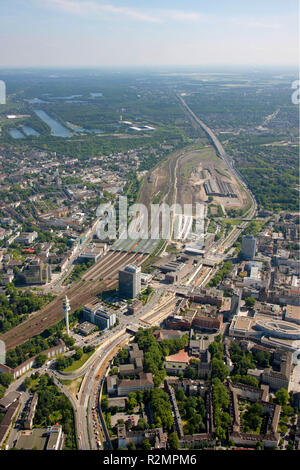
(158, 307)
(221, 151)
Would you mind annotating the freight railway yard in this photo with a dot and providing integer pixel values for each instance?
(103, 276)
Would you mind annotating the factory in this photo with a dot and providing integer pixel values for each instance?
(219, 188)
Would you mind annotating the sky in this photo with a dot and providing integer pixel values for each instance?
(83, 33)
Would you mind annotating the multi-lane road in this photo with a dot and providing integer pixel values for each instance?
(158, 308)
(90, 426)
(222, 153)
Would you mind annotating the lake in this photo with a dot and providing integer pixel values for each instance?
(96, 95)
(56, 128)
(81, 129)
(16, 134)
(29, 131)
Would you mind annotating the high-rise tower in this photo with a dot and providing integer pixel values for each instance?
(130, 281)
(248, 247)
(66, 309)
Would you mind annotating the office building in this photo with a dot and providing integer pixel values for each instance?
(248, 247)
(130, 281)
(100, 315)
(2, 352)
(235, 304)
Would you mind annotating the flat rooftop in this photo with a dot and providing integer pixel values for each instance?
(293, 312)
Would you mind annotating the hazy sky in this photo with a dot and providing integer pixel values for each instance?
(148, 32)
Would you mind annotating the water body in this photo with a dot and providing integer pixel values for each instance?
(16, 134)
(94, 131)
(66, 97)
(81, 129)
(56, 128)
(29, 131)
(96, 95)
(36, 101)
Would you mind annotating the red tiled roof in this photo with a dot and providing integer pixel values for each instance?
(181, 356)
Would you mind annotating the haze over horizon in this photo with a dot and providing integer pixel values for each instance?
(95, 33)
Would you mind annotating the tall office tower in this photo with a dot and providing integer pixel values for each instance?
(130, 281)
(66, 309)
(2, 352)
(235, 303)
(248, 247)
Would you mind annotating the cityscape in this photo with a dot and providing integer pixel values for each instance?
(173, 325)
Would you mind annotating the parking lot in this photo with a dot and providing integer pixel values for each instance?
(133, 417)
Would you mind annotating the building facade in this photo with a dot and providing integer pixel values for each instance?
(248, 247)
(130, 281)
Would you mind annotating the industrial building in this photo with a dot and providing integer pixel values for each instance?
(219, 188)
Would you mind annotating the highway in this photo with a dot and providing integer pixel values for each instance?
(222, 153)
(90, 426)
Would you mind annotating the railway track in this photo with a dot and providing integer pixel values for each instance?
(103, 261)
(99, 278)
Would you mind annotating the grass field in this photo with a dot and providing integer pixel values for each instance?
(77, 364)
(73, 385)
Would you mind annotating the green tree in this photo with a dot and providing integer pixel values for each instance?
(173, 441)
(146, 444)
(219, 369)
(142, 424)
(68, 340)
(220, 433)
(250, 302)
(282, 396)
(2, 391)
(131, 402)
(131, 446)
(78, 354)
(27, 382)
(40, 360)
(6, 379)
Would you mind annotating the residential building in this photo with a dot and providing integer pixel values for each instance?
(51, 438)
(26, 237)
(144, 382)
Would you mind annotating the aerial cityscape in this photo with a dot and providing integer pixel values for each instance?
(149, 229)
